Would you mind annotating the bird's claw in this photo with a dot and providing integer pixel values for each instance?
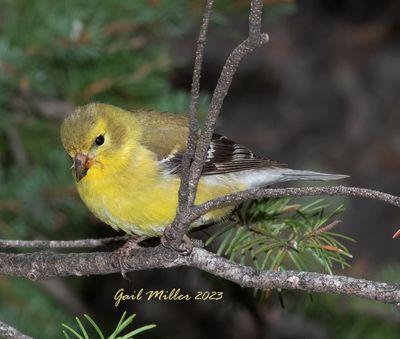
(184, 248)
(117, 260)
(166, 239)
(124, 251)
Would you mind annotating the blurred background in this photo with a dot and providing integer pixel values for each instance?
(322, 95)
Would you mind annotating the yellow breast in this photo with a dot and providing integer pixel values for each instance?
(140, 199)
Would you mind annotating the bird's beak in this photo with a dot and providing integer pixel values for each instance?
(81, 163)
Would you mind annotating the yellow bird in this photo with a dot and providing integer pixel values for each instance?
(127, 167)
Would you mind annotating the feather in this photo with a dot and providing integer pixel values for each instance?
(223, 156)
(163, 133)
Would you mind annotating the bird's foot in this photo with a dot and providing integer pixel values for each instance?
(124, 251)
(184, 248)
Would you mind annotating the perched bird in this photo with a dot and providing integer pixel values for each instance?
(127, 167)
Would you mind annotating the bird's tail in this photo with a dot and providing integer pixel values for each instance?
(269, 176)
(290, 174)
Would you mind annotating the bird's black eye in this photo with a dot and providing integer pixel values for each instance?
(99, 140)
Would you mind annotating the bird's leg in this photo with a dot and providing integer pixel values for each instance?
(184, 248)
(124, 251)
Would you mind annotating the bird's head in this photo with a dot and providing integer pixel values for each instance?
(99, 137)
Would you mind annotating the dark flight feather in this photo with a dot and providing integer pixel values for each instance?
(224, 156)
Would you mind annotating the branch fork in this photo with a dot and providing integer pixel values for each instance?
(196, 152)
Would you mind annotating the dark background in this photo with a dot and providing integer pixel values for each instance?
(321, 95)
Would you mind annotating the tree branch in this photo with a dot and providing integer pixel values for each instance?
(6, 331)
(194, 103)
(259, 193)
(45, 265)
(221, 91)
(83, 243)
(191, 178)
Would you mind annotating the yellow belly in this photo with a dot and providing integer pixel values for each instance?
(147, 206)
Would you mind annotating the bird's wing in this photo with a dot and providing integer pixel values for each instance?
(164, 133)
(224, 156)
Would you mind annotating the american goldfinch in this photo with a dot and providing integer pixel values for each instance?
(127, 167)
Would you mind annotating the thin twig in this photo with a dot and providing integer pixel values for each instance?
(221, 90)
(188, 193)
(258, 193)
(215, 107)
(194, 103)
(47, 244)
(255, 19)
(45, 265)
(327, 228)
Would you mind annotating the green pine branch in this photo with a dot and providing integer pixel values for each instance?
(123, 323)
(276, 235)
